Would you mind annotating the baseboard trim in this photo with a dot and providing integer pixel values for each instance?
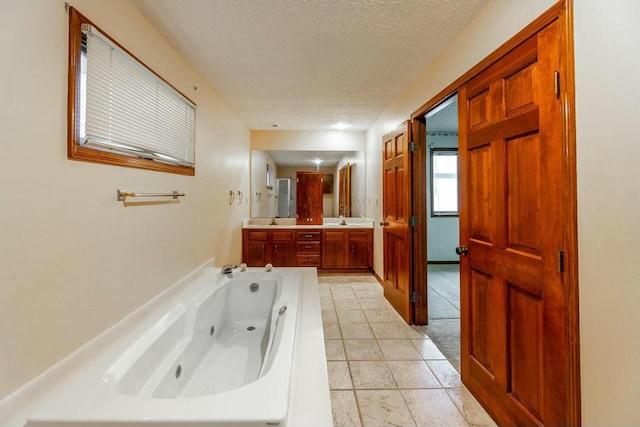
(16, 408)
(343, 272)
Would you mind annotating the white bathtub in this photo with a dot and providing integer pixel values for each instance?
(219, 355)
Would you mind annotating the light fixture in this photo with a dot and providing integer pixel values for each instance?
(317, 162)
(341, 126)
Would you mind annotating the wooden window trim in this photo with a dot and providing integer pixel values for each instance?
(435, 214)
(74, 150)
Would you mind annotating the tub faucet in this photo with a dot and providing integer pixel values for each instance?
(227, 270)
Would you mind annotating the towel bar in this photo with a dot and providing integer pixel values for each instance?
(123, 195)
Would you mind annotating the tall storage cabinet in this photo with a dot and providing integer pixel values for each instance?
(309, 198)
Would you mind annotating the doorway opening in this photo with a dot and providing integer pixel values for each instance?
(443, 229)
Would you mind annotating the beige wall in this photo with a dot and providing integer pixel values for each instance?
(607, 92)
(308, 140)
(262, 204)
(607, 89)
(73, 261)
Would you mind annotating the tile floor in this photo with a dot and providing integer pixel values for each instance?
(444, 310)
(383, 372)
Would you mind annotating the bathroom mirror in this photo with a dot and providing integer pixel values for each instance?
(346, 196)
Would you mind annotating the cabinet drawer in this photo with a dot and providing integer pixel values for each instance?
(309, 235)
(359, 235)
(257, 235)
(308, 247)
(282, 236)
(308, 260)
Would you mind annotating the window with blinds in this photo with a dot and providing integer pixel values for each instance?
(121, 112)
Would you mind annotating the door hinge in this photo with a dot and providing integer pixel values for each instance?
(413, 221)
(413, 146)
(560, 261)
(556, 83)
(413, 297)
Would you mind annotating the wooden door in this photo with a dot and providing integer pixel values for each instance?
(309, 198)
(396, 208)
(344, 192)
(514, 331)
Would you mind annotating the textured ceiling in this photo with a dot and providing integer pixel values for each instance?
(445, 119)
(305, 65)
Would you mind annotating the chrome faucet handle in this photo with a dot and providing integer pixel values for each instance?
(268, 267)
(243, 267)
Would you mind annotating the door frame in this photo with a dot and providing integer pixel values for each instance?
(563, 13)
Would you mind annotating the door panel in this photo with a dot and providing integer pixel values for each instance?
(514, 353)
(396, 208)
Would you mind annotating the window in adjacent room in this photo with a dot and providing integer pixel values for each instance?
(444, 182)
(120, 111)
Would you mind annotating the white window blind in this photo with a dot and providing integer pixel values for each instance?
(126, 108)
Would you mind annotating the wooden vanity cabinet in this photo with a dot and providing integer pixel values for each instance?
(333, 255)
(308, 243)
(347, 249)
(260, 247)
(359, 246)
(282, 248)
(337, 249)
(254, 247)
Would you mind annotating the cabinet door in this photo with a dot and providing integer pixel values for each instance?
(283, 254)
(309, 198)
(283, 248)
(359, 248)
(333, 249)
(255, 253)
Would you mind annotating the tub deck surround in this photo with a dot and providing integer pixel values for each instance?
(290, 223)
(134, 382)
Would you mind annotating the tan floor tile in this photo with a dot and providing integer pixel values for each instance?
(472, 411)
(352, 331)
(445, 372)
(329, 316)
(414, 332)
(362, 350)
(344, 409)
(331, 331)
(369, 374)
(374, 304)
(399, 350)
(341, 286)
(413, 374)
(346, 304)
(326, 303)
(343, 294)
(432, 407)
(339, 375)
(428, 349)
(373, 286)
(351, 316)
(387, 330)
(334, 350)
(326, 293)
(381, 408)
(379, 316)
(369, 293)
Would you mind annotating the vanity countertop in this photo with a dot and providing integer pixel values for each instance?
(290, 223)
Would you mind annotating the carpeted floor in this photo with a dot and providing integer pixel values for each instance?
(444, 310)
